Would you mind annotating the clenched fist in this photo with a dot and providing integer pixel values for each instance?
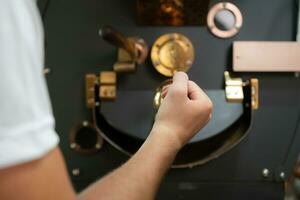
(184, 110)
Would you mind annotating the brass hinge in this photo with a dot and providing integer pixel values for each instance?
(90, 81)
(107, 88)
(254, 93)
(107, 81)
(233, 88)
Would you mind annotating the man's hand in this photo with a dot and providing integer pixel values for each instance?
(185, 109)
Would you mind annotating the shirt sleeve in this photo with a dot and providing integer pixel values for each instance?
(26, 120)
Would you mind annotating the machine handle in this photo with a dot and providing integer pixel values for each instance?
(116, 38)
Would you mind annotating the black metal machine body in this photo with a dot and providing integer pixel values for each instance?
(272, 142)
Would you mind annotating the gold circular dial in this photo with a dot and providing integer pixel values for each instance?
(172, 53)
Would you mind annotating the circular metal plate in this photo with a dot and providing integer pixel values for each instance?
(211, 20)
(172, 53)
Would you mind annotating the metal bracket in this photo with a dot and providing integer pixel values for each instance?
(127, 63)
(90, 81)
(254, 93)
(233, 88)
(107, 81)
(131, 51)
(107, 88)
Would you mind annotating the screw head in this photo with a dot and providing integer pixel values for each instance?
(76, 172)
(98, 146)
(46, 71)
(85, 123)
(265, 173)
(282, 175)
(73, 145)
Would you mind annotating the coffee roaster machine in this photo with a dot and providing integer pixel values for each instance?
(106, 61)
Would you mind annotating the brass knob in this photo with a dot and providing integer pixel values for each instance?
(158, 93)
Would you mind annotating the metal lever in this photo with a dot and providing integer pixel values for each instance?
(116, 38)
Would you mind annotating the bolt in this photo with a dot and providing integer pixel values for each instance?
(97, 103)
(297, 74)
(282, 175)
(265, 172)
(76, 172)
(73, 145)
(98, 146)
(85, 123)
(46, 71)
(100, 32)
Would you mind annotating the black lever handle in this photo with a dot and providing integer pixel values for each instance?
(116, 38)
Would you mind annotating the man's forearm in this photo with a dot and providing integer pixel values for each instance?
(139, 178)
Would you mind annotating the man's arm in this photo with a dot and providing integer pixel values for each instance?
(184, 110)
(45, 179)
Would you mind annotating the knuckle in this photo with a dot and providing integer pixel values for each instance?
(175, 91)
(182, 74)
(192, 82)
(205, 107)
(208, 106)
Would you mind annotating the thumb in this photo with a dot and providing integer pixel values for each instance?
(180, 83)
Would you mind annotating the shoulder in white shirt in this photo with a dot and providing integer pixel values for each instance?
(26, 119)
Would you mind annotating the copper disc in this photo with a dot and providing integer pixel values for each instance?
(224, 33)
(172, 53)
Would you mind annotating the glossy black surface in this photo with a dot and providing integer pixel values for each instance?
(133, 113)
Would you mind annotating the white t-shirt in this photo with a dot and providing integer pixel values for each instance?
(26, 119)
